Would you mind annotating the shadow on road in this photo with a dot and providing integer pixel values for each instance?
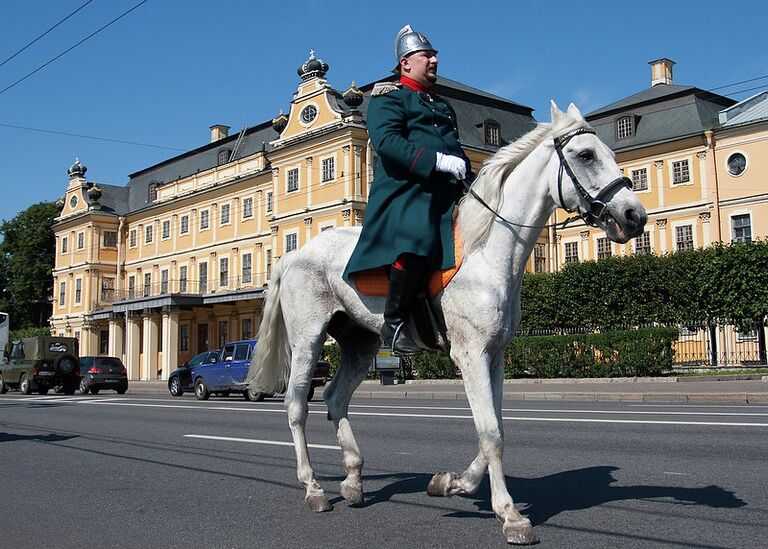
(52, 437)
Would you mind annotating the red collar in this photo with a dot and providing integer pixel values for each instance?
(412, 84)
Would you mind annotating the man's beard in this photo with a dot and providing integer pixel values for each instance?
(432, 74)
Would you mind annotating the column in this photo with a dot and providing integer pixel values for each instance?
(236, 216)
(132, 350)
(584, 252)
(214, 220)
(116, 334)
(275, 189)
(346, 214)
(346, 173)
(174, 231)
(659, 164)
(235, 280)
(308, 161)
(88, 339)
(170, 342)
(307, 229)
(151, 330)
(705, 228)
(357, 173)
(662, 225)
(274, 245)
(702, 156)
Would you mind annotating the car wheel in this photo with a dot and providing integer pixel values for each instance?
(3, 385)
(70, 389)
(174, 386)
(254, 396)
(65, 365)
(121, 390)
(83, 386)
(201, 391)
(43, 390)
(25, 387)
(311, 393)
(94, 390)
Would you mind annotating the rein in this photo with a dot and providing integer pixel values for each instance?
(597, 208)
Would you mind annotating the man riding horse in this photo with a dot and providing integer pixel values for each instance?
(408, 221)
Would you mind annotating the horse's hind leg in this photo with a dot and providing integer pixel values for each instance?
(358, 348)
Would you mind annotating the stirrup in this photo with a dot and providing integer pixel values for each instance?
(403, 346)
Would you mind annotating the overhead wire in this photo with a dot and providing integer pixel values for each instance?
(46, 32)
(121, 141)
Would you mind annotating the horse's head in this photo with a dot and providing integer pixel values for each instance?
(590, 182)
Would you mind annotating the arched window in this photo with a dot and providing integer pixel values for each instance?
(223, 157)
(153, 190)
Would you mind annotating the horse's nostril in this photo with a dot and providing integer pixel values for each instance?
(633, 217)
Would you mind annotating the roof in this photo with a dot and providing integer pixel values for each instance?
(661, 113)
(752, 109)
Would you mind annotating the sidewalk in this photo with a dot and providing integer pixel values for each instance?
(713, 389)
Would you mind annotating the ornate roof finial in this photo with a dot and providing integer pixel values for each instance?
(77, 169)
(312, 67)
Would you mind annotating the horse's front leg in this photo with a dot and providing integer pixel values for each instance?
(476, 371)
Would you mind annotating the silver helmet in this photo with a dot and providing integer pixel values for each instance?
(409, 41)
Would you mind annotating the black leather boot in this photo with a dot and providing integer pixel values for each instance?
(396, 333)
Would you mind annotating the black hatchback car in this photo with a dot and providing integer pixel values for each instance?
(180, 380)
(102, 372)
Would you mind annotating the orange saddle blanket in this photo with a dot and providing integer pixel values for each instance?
(374, 282)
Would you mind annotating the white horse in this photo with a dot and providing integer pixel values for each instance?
(523, 183)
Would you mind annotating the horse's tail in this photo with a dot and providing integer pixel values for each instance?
(271, 360)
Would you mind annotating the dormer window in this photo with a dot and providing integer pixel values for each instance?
(625, 127)
(153, 190)
(492, 130)
(223, 157)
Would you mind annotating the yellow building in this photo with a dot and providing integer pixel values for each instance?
(177, 261)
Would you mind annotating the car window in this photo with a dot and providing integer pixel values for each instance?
(241, 353)
(18, 350)
(56, 347)
(109, 362)
(228, 352)
(198, 359)
(85, 363)
(211, 357)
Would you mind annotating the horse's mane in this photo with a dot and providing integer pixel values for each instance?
(474, 220)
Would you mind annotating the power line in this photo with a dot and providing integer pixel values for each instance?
(747, 90)
(738, 83)
(46, 32)
(55, 132)
(94, 33)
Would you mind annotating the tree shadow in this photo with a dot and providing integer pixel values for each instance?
(548, 496)
(51, 437)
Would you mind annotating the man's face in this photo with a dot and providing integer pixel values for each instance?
(420, 66)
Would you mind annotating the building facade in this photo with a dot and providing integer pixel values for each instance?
(178, 260)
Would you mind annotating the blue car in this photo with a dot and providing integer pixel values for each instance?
(225, 375)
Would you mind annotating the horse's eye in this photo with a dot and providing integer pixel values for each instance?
(587, 155)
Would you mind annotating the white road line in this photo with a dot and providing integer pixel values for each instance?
(259, 441)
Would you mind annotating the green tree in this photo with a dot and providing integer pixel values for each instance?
(26, 260)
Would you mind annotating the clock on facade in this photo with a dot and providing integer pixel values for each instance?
(73, 201)
(308, 114)
(737, 163)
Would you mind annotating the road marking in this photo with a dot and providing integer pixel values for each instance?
(673, 473)
(260, 441)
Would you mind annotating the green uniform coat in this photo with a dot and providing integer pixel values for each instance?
(410, 205)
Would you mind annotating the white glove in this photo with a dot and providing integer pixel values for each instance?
(454, 165)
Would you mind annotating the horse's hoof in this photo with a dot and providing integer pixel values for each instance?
(319, 504)
(520, 535)
(440, 485)
(352, 494)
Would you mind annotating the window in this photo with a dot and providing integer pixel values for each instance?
(290, 242)
(539, 258)
(640, 179)
(132, 238)
(78, 290)
(103, 342)
(293, 180)
(268, 263)
(147, 284)
(224, 271)
(269, 201)
(80, 241)
(205, 216)
(223, 332)
(246, 331)
(643, 243)
(164, 281)
(737, 163)
(224, 214)
(684, 237)
(247, 264)
(62, 293)
(604, 248)
(184, 225)
(742, 228)
(166, 229)
(571, 252)
(108, 290)
(148, 234)
(247, 207)
(153, 190)
(183, 279)
(110, 239)
(329, 169)
(203, 277)
(241, 351)
(64, 242)
(131, 287)
(624, 127)
(492, 133)
(680, 172)
(222, 157)
(184, 337)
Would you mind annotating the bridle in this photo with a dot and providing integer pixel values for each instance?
(597, 208)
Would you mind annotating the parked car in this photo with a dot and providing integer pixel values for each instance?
(41, 363)
(180, 380)
(102, 372)
(225, 375)
(320, 377)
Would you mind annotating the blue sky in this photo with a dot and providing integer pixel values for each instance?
(167, 71)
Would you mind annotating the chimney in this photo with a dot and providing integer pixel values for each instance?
(661, 71)
(219, 131)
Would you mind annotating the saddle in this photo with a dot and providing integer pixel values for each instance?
(426, 322)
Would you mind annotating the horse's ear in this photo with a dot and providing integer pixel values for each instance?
(574, 112)
(555, 113)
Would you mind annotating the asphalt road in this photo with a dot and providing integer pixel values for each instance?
(152, 471)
